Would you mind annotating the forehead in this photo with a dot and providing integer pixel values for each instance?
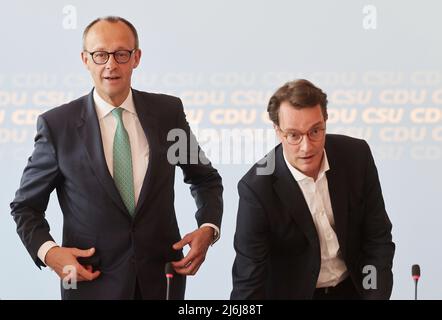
(299, 119)
(109, 36)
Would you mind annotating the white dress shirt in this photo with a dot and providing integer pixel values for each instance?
(316, 194)
(138, 145)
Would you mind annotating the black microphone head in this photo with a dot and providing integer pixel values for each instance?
(415, 271)
(168, 270)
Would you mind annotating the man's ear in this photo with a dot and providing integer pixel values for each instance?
(137, 58)
(85, 58)
(277, 132)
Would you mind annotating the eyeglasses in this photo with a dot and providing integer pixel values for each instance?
(295, 137)
(102, 57)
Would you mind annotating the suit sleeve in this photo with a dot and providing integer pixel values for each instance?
(31, 199)
(205, 182)
(377, 245)
(251, 244)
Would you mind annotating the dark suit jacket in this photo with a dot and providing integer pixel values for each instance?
(68, 156)
(276, 243)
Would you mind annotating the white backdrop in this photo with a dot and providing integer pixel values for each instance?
(379, 62)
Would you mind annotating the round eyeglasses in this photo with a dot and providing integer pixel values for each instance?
(120, 56)
(295, 137)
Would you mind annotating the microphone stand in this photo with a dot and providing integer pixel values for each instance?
(168, 270)
(168, 288)
(415, 289)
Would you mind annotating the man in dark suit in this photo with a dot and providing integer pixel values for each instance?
(108, 156)
(316, 226)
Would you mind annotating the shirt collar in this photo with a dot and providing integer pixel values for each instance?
(103, 108)
(299, 176)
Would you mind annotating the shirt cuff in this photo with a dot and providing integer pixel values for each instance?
(216, 233)
(44, 248)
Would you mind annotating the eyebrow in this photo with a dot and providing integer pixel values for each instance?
(103, 49)
(311, 127)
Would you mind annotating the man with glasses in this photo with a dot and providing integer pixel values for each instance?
(315, 227)
(107, 156)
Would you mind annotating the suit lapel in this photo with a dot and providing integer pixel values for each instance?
(292, 197)
(150, 127)
(89, 131)
(337, 187)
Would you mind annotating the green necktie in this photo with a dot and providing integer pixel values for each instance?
(123, 174)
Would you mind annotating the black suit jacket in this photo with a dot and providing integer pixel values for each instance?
(276, 243)
(68, 156)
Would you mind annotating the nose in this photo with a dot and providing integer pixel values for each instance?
(305, 145)
(111, 63)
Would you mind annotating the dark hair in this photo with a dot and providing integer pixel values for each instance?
(112, 19)
(300, 94)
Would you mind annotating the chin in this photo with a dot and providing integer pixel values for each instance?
(307, 171)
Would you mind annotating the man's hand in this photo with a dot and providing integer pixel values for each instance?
(199, 241)
(59, 257)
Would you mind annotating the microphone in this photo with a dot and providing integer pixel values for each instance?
(416, 274)
(169, 272)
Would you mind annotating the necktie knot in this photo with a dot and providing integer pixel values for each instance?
(118, 113)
